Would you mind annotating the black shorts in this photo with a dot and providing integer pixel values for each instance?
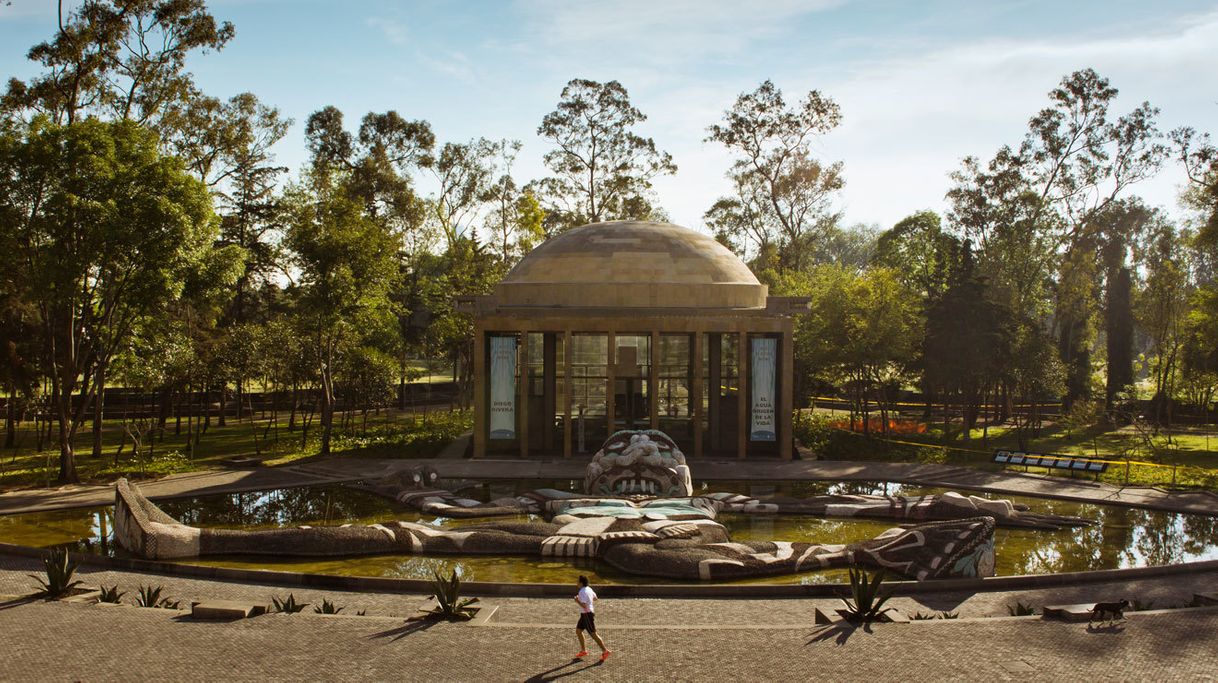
(587, 622)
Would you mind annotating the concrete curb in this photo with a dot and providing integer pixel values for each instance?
(480, 588)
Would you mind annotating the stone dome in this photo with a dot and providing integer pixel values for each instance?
(631, 264)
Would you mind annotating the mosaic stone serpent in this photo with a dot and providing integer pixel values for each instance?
(638, 514)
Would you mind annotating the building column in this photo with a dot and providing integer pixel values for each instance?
(786, 384)
(742, 395)
(481, 404)
(715, 390)
(567, 352)
(653, 381)
(695, 391)
(522, 394)
(549, 390)
(610, 380)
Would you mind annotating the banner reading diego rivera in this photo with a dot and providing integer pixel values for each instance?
(762, 428)
(503, 387)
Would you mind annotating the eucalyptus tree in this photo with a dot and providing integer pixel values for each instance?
(346, 263)
(1034, 211)
(108, 226)
(121, 59)
(783, 196)
(602, 168)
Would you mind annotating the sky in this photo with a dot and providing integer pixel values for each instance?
(921, 84)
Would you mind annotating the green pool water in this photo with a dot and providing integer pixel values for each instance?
(1124, 537)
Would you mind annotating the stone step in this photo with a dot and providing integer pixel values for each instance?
(226, 610)
(1077, 612)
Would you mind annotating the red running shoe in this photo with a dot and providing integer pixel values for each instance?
(582, 653)
(605, 655)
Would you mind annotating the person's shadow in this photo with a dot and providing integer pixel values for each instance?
(557, 672)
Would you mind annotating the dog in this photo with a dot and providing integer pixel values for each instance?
(1115, 610)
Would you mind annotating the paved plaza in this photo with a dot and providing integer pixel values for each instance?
(530, 638)
(653, 639)
(59, 641)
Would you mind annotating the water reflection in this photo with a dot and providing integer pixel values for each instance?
(1124, 537)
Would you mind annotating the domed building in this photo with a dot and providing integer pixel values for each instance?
(632, 325)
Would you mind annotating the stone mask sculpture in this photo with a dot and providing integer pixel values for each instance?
(638, 514)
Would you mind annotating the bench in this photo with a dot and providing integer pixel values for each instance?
(1053, 461)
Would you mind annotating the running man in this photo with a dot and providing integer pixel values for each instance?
(587, 619)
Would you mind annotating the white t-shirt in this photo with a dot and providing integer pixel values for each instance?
(585, 596)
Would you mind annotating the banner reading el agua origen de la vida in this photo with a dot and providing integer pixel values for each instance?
(762, 426)
(503, 387)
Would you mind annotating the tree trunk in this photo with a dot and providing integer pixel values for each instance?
(1118, 326)
(99, 405)
(67, 457)
(327, 407)
(10, 418)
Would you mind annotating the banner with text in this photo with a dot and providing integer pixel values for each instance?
(764, 350)
(503, 387)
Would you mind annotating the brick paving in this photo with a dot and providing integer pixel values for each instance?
(60, 641)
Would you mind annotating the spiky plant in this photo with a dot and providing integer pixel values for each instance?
(449, 603)
(150, 596)
(949, 615)
(922, 616)
(59, 569)
(112, 595)
(867, 603)
(1020, 610)
(327, 607)
(289, 604)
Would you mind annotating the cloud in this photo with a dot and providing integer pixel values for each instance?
(911, 117)
(453, 64)
(394, 31)
(671, 31)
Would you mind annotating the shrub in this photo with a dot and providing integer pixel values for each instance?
(867, 603)
(289, 605)
(111, 595)
(326, 607)
(1020, 610)
(150, 596)
(449, 603)
(59, 572)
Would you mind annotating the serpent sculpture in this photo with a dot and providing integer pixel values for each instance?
(638, 514)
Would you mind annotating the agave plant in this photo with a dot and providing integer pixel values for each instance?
(289, 604)
(1019, 610)
(59, 570)
(150, 596)
(449, 603)
(949, 615)
(326, 607)
(922, 616)
(112, 595)
(867, 603)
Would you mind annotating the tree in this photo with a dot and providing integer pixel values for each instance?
(346, 262)
(1038, 206)
(1162, 310)
(464, 172)
(123, 59)
(107, 228)
(920, 252)
(783, 194)
(603, 170)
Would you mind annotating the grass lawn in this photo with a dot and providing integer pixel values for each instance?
(1185, 457)
(390, 434)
